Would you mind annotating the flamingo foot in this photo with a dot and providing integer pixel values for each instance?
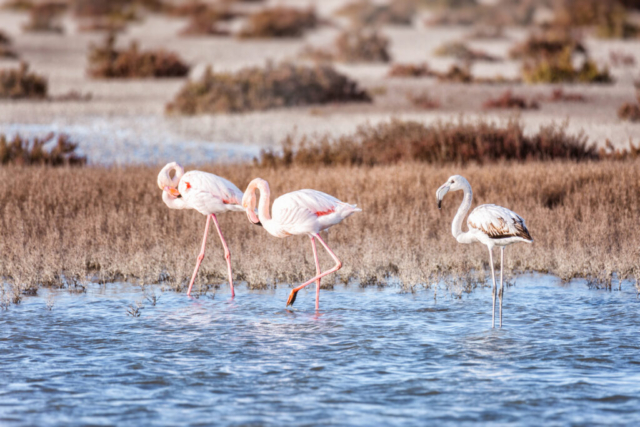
(292, 297)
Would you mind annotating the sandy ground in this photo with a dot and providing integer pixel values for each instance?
(124, 122)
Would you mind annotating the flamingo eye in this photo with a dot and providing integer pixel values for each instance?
(452, 181)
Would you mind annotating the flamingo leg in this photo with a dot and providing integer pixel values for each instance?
(501, 282)
(200, 257)
(338, 266)
(227, 254)
(493, 276)
(315, 255)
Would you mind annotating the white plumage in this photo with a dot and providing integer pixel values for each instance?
(306, 212)
(208, 194)
(490, 225)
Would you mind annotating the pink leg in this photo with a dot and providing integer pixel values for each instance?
(200, 257)
(227, 254)
(315, 255)
(294, 292)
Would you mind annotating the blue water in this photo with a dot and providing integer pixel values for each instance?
(567, 354)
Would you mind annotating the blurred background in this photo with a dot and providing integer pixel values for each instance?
(150, 81)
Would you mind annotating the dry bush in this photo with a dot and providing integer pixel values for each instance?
(112, 225)
(453, 142)
(559, 95)
(502, 13)
(460, 51)
(106, 61)
(423, 100)
(621, 59)
(456, 74)
(549, 58)
(121, 10)
(365, 13)
(203, 17)
(410, 70)
(279, 22)
(19, 5)
(609, 17)
(21, 83)
(22, 151)
(629, 111)
(6, 51)
(509, 100)
(45, 17)
(255, 88)
(359, 45)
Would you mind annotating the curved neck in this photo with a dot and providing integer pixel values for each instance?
(456, 226)
(263, 204)
(173, 202)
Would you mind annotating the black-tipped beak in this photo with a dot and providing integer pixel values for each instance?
(439, 204)
(258, 223)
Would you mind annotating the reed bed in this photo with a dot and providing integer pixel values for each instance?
(65, 227)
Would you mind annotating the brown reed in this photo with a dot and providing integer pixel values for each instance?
(65, 227)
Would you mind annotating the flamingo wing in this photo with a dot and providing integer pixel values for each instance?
(498, 222)
(309, 211)
(210, 194)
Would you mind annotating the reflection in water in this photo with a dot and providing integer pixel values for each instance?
(567, 354)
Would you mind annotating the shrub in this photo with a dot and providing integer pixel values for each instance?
(460, 51)
(45, 17)
(360, 45)
(456, 74)
(546, 45)
(410, 70)
(20, 83)
(120, 10)
(559, 95)
(23, 151)
(255, 88)
(423, 100)
(365, 13)
(629, 111)
(454, 142)
(279, 22)
(560, 69)
(609, 17)
(107, 61)
(5, 47)
(509, 100)
(205, 23)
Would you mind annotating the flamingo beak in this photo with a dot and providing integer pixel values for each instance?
(172, 191)
(252, 216)
(440, 194)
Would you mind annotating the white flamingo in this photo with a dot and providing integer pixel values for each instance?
(490, 225)
(299, 212)
(205, 192)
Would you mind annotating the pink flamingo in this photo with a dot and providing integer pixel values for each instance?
(299, 212)
(205, 192)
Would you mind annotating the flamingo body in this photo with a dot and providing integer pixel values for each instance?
(302, 212)
(490, 225)
(306, 212)
(206, 193)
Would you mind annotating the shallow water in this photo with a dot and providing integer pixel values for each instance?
(567, 355)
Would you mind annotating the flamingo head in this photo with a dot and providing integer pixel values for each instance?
(249, 205)
(168, 183)
(454, 183)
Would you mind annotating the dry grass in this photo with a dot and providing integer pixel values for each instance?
(454, 142)
(279, 22)
(39, 151)
(108, 62)
(111, 225)
(509, 100)
(621, 59)
(609, 17)
(559, 95)
(629, 111)
(21, 83)
(256, 88)
(423, 100)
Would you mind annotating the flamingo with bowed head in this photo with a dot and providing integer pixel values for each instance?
(490, 225)
(298, 213)
(208, 194)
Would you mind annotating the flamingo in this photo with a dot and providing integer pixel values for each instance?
(490, 225)
(205, 192)
(302, 212)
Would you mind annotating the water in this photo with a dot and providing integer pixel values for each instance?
(567, 355)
